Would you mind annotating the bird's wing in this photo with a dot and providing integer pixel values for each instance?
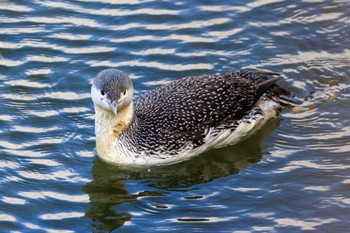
(191, 105)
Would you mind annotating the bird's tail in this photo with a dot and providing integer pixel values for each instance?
(269, 87)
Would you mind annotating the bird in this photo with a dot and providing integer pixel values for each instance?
(183, 118)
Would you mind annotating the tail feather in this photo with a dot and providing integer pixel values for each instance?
(264, 86)
(269, 88)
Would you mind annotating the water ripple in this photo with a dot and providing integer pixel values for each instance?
(156, 65)
(7, 217)
(304, 225)
(60, 216)
(10, 6)
(107, 11)
(51, 50)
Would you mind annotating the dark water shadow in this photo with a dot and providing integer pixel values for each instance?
(108, 187)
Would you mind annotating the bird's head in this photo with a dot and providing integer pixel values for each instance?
(112, 90)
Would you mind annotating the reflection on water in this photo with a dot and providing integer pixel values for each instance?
(292, 176)
(108, 187)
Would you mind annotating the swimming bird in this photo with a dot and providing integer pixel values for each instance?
(181, 119)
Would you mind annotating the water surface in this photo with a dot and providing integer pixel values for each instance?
(292, 176)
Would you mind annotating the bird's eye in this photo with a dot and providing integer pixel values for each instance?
(124, 93)
(102, 92)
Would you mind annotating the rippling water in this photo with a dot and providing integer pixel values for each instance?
(294, 175)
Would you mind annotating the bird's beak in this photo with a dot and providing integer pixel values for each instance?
(114, 107)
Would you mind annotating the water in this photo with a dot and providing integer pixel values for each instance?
(292, 176)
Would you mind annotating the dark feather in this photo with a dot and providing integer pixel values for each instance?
(180, 112)
(264, 85)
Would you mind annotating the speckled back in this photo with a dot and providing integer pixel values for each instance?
(184, 110)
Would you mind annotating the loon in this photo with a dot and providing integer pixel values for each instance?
(181, 119)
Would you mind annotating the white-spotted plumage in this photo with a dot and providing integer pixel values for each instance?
(181, 119)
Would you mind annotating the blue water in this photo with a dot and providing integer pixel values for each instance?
(292, 176)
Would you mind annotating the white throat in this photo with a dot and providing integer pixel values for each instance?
(108, 129)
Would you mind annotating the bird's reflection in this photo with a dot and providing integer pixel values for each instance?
(108, 189)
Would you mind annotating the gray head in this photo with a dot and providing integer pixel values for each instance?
(112, 90)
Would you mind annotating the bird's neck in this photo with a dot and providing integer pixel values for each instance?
(109, 127)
